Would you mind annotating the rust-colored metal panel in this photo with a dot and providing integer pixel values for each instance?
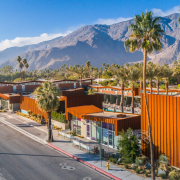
(14, 99)
(165, 117)
(175, 131)
(178, 132)
(6, 89)
(30, 104)
(162, 123)
(73, 92)
(31, 87)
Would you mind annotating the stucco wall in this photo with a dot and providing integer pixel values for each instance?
(64, 126)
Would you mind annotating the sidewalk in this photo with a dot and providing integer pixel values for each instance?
(66, 146)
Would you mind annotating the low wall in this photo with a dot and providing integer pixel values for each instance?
(64, 126)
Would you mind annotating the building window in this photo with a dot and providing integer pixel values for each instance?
(102, 132)
(77, 126)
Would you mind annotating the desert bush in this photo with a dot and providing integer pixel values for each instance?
(126, 166)
(129, 146)
(174, 175)
(137, 171)
(162, 175)
(39, 116)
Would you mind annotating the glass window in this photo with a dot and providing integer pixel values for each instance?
(105, 136)
(116, 138)
(93, 130)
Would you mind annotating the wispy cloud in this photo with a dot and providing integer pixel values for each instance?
(22, 41)
(159, 12)
(156, 12)
(112, 21)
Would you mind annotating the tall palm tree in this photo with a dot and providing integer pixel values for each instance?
(88, 63)
(19, 59)
(46, 98)
(24, 61)
(168, 72)
(151, 73)
(133, 76)
(146, 34)
(26, 66)
(21, 66)
(158, 76)
(121, 74)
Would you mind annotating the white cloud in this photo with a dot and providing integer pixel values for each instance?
(111, 21)
(159, 12)
(22, 41)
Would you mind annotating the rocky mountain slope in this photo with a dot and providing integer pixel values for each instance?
(97, 43)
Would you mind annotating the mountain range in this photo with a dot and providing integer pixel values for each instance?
(97, 43)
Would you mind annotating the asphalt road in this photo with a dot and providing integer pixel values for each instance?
(24, 159)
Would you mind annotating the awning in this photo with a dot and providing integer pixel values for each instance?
(83, 110)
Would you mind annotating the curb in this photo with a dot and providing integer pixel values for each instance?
(84, 162)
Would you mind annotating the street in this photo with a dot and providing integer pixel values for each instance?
(22, 158)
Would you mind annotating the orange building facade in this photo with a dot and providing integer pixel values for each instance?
(165, 122)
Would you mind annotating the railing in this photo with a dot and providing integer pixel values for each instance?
(76, 142)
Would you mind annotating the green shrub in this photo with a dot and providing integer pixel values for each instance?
(134, 168)
(114, 160)
(129, 146)
(162, 86)
(144, 171)
(174, 175)
(146, 174)
(126, 166)
(29, 112)
(32, 114)
(117, 162)
(163, 159)
(58, 117)
(162, 175)
(137, 171)
(39, 116)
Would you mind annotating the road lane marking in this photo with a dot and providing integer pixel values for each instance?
(26, 123)
(37, 139)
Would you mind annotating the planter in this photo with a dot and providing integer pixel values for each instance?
(61, 125)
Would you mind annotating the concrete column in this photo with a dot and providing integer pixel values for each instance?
(83, 128)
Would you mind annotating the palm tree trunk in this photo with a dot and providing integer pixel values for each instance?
(80, 81)
(166, 84)
(122, 97)
(157, 86)
(149, 123)
(141, 86)
(150, 85)
(50, 135)
(132, 103)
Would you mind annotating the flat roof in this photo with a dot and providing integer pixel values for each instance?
(109, 114)
(10, 94)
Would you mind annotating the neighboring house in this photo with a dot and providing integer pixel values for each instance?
(10, 101)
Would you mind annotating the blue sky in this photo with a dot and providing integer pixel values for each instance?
(31, 21)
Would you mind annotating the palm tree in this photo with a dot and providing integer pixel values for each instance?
(19, 59)
(121, 74)
(26, 66)
(158, 76)
(21, 66)
(24, 61)
(151, 73)
(47, 100)
(167, 73)
(133, 76)
(88, 63)
(146, 34)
